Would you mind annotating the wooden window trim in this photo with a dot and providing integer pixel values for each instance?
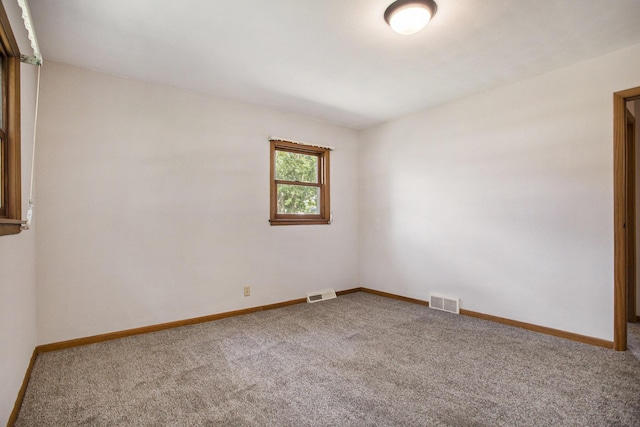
(10, 217)
(324, 217)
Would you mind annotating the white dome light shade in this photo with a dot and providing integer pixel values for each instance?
(410, 16)
(410, 19)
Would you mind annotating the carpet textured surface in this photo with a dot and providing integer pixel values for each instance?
(358, 360)
(633, 339)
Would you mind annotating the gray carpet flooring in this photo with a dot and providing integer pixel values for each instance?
(358, 360)
(633, 339)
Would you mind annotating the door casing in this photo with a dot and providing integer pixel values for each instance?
(620, 212)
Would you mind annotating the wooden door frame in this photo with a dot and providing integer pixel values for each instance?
(630, 146)
(619, 214)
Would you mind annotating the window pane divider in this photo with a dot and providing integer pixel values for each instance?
(302, 183)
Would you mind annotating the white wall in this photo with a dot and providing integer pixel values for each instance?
(154, 206)
(17, 254)
(504, 199)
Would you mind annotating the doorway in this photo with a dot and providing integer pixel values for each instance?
(624, 216)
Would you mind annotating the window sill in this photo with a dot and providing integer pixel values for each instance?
(288, 221)
(10, 226)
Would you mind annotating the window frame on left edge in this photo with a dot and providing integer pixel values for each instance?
(11, 204)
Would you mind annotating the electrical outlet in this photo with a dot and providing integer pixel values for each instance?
(247, 291)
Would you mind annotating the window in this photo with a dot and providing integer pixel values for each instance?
(299, 184)
(10, 201)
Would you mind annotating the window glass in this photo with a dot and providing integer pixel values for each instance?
(3, 148)
(298, 199)
(2, 84)
(3, 143)
(2, 172)
(296, 167)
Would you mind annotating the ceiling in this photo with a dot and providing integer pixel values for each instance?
(333, 60)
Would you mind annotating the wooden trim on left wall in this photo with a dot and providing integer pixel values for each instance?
(159, 327)
(23, 389)
(175, 324)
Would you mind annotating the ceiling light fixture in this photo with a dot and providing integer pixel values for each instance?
(410, 16)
